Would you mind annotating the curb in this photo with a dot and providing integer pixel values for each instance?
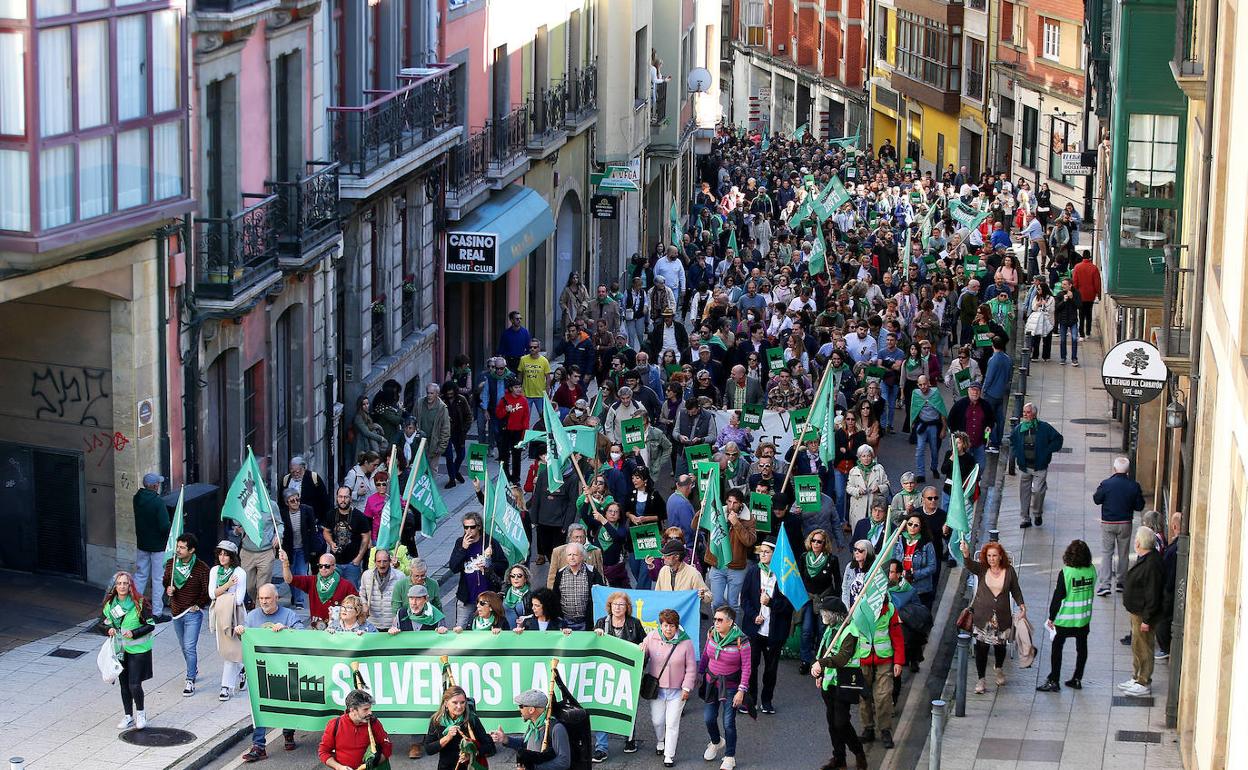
(214, 748)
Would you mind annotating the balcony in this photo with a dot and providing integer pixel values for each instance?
(1188, 66)
(397, 132)
(509, 140)
(582, 99)
(237, 255)
(547, 108)
(217, 17)
(468, 183)
(306, 215)
(1179, 307)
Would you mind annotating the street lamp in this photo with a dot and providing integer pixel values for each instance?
(1176, 412)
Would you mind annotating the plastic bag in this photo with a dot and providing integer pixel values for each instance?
(108, 662)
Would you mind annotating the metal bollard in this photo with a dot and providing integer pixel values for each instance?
(959, 690)
(994, 535)
(17, 763)
(936, 741)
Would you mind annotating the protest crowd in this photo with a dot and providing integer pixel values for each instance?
(717, 410)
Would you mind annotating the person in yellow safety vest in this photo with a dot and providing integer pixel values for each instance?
(128, 618)
(882, 658)
(1070, 613)
(840, 684)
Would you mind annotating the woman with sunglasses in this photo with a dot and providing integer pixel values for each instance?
(961, 363)
(918, 559)
(375, 505)
(724, 672)
(862, 556)
(489, 615)
(821, 576)
(518, 597)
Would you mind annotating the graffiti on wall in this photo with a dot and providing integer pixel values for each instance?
(105, 444)
(74, 394)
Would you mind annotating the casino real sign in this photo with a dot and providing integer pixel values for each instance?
(1133, 372)
(472, 253)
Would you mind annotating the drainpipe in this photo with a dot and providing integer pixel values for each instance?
(1198, 251)
(162, 338)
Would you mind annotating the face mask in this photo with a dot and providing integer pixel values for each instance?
(616, 455)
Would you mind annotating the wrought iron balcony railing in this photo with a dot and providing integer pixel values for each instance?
(468, 165)
(547, 110)
(307, 210)
(236, 251)
(368, 137)
(582, 94)
(509, 138)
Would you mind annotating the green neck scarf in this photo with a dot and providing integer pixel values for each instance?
(533, 730)
(429, 617)
(514, 597)
(448, 721)
(1026, 425)
(876, 526)
(325, 587)
(718, 643)
(909, 538)
(182, 571)
(223, 575)
(482, 624)
(675, 640)
(814, 564)
(866, 470)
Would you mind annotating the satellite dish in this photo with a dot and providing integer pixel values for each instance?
(699, 80)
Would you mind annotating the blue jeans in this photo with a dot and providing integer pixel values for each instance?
(725, 585)
(536, 409)
(641, 574)
(710, 715)
(298, 566)
(1073, 331)
(999, 425)
(928, 442)
(842, 502)
(151, 564)
(812, 631)
(187, 628)
(889, 392)
(257, 736)
(980, 453)
(351, 572)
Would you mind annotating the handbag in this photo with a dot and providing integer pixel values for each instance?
(965, 620)
(650, 683)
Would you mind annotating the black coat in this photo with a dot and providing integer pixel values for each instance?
(656, 505)
(826, 580)
(1142, 588)
(552, 508)
(310, 529)
(448, 755)
(494, 573)
(751, 604)
(634, 631)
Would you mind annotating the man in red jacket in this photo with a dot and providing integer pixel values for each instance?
(1086, 279)
(345, 742)
(881, 658)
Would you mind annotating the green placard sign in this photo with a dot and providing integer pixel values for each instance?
(671, 369)
(646, 541)
(752, 416)
(962, 378)
(775, 359)
(982, 335)
(702, 470)
(760, 509)
(696, 453)
(797, 421)
(300, 679)
(873, 374)
(807, 493)
(477, 456)
(633, 434)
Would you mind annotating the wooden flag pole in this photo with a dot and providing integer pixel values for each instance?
(251, 457)
(788, 473)
(584, 485)
(879, 559)
(550, 701)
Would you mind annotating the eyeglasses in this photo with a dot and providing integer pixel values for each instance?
(483, 603)
(913, 524)
(383, 483)
(325, 566)
(818, 540)
(859, 550)
(470, 527)
(721, 620)
(929, 497)
(517, 576)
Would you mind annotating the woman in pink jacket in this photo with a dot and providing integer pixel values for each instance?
(669, 658)
(725, 671)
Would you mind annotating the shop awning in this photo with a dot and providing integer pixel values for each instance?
(497, 235)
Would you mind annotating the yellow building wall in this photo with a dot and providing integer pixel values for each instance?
(937, 122)
(883, 127)
(890, 53)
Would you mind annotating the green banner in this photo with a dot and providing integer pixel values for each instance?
(300, 679)
(775, 359)
(697, 452)
(633, 433)
(965, 215)
(478, 455)
(807, 493)
(646, 540)
(760, 510)
(962, 378)
(752, 416)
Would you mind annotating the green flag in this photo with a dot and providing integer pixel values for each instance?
(505, 524)
(833, 196)
(871, 599)
(558, 446)
(584, 439)
(766, 142)
(392, 514)
(248, 502)
(822, 417)
(175, 528)
(818, 253)
(714, 520)
(800, 131)
(845, 141)
(732, 240)
(958, 520)
(964, 215)
(426, 499)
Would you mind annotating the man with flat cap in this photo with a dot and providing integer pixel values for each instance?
(419, 614)
(529, 753)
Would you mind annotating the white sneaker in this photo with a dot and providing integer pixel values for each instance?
(658, 747)
(712, 750)
(126, 722)
(1127, 685)
(728, 764)
(140, 719)
(1137, 690)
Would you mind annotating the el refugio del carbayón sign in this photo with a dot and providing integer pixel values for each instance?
(1133, 372)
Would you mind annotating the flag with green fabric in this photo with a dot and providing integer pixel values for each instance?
(584, 439)
(870, 601)
(505, 523)
(426, 499)
(714, 519)
(800, 132)
(175, 528)
(818, 254)
(822, 416)
(247, 501)
(732, 240)
(958, 518)
(392, 513)
(846, 141)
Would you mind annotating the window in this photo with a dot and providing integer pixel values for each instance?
(1007, 22)
(641, 77)
(12, 83)
(753, 32)
(12, 9)
(56, 186)
(975, 69)
(95, 182)
(1052, 39)
(1148, 228)
(167, 160)
(15, 192)
(1027, 147)
(928, 52)
(1152, 156)
(55, 82)
(166, 72)
(1062, 138)
(131, 67)
(93, 90)
(132, 187)
(253, 409)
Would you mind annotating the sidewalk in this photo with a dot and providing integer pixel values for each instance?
(1096, 727)
(55, 712)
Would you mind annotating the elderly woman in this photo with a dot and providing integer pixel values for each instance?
(620, 623)
(733, 433)
(517, 598)
(669, 658)
(128, 617)
(577, 533)
(1141, 597)
(866, 480)
(227, 587)
(906, 500)
(352, 618)
(991, 620)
